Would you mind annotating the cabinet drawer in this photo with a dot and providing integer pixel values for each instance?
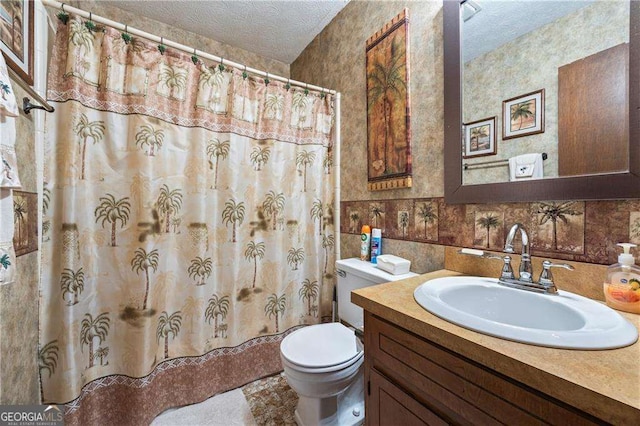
(455, 387)
(391, 406)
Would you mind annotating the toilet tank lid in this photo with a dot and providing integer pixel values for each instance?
(369, 271)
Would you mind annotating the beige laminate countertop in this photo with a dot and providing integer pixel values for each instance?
(605, 384)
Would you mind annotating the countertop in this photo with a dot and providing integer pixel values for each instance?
(605, 383)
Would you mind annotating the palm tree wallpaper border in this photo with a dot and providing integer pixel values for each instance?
(388, 106)
(524, 110)
(580, 231)
(475, 144)
(25, 219)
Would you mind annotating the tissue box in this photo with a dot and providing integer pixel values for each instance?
(393, 264)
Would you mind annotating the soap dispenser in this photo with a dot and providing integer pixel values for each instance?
(622, 286)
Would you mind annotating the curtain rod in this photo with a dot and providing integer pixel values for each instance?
(178, 46)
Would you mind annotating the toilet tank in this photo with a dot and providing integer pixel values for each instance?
(354, 274)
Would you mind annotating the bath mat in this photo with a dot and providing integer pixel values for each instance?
(227, 409)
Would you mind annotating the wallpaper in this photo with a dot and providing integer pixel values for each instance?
(335, 59)
(582, 231)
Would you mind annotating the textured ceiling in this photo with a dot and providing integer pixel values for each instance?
(500, 21)
(274, 29)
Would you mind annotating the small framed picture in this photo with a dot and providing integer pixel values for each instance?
(523, 115)
(25, 219)
(16, 36)
(480, 138)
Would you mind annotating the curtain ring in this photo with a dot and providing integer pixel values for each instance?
(161, 46)
(222, 61)
(126, 29)
(90, 17)
(63, 8)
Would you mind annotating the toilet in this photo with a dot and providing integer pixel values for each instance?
(323, 363)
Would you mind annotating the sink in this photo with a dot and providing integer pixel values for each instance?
(564, 320)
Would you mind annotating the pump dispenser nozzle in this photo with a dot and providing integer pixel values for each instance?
(626, 258)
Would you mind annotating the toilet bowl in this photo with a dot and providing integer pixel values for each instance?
(323, 363)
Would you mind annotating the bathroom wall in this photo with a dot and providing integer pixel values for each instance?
(336, 59)
(19, 301)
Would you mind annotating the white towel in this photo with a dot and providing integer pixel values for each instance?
(9, 178)
(8, 110)
(8, 103)
(526, 167)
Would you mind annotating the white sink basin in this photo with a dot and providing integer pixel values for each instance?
(565, 320)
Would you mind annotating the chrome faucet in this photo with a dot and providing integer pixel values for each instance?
(525, 270)
(524, 281)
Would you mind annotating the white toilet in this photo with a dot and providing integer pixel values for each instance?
(323, 362)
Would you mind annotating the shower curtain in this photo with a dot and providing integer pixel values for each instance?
(188, 226)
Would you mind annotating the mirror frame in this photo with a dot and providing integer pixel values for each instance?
(591, 187)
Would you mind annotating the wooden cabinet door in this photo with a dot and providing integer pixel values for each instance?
(389, 405)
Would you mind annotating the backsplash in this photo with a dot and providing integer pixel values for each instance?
(582, 231)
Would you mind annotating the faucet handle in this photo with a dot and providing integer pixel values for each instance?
(546, 277)
(507, 269)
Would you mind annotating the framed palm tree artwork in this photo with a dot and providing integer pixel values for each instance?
(480, 138)
(388, 106)
(16, 36)
(523, 115)
(25, 220)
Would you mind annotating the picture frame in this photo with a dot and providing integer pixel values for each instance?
(480, 138)
(16, 36)
(389, 106)
(25, 219)
(523, 115)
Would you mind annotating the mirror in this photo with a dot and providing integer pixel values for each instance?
(559, 87)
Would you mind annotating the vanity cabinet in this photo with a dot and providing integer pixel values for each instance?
(412, 381)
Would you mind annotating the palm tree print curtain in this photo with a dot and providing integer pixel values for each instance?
(190, 226)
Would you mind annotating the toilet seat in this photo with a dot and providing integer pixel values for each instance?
(321, 348)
